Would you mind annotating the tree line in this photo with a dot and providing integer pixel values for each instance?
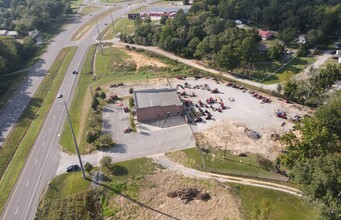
(24, 16)
(312, 157)
(209, 32)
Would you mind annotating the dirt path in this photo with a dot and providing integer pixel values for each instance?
(317, 64)
(189, 172)
(194, 64)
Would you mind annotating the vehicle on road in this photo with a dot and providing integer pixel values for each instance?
(73, 168)
(127, 131)
(75, 72)
(59, 95)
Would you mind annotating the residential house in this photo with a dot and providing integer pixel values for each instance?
(266, 35)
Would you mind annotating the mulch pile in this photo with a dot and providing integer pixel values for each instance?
(188, 194)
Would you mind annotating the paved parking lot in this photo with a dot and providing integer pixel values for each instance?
(151, 138)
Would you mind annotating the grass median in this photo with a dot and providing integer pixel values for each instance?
(19, 142)
(85, 79)
(85, 28)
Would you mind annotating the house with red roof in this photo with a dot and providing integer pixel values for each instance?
(266, 35)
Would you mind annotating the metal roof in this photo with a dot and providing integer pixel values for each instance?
(156, 97)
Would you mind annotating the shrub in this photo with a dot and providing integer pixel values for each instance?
(131, 102)
(88, 167)
(95, 103)
(103, 95)
(91, 137)
(118, 170)
(105, 161)
(131, 91)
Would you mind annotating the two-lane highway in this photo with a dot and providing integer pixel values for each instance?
(42, 163)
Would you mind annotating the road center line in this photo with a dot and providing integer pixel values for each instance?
(49, 129)
(16, 211)
(27, 183)
(43, 143)
(36, 162)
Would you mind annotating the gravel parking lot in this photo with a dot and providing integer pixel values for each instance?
(241, 107)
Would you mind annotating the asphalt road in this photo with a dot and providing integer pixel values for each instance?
(42, 163)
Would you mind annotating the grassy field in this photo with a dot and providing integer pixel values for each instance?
(283, 206)
(19, 142)
(214, 161)
(75, 4)
(85, 79)
(122, 25)
(297, 65)
(89, 9)
(69, 188)
(67, 193)
(90, 24)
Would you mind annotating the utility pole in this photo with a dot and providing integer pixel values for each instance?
(74, 140)
(112, 20)
(100, 37)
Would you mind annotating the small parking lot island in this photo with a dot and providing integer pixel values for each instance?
(157, 104)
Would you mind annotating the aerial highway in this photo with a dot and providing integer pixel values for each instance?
(43, 160)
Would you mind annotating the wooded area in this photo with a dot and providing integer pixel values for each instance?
(313, 157)
(24, 16)
(208, 32)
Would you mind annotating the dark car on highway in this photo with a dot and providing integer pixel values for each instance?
(72, 168)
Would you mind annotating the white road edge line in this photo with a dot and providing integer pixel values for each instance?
(16, 211)
(41, 172)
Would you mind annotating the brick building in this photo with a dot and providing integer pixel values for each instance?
(157, 104)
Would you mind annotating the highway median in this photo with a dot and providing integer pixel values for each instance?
(19, 142)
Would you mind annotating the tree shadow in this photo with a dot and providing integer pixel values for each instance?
(133, 200)
(117, 148)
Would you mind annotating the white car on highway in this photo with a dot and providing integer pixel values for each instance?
(59, 95)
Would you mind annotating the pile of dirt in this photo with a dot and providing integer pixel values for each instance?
(152, 201)
(188, 194)
(251, 134)
(232, 136)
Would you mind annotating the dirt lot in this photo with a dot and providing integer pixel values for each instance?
(242, 111)
(142, 60)
(157, 205)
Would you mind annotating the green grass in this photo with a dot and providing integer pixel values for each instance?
(19, 142)
(283, 206)
(89, 9)
(297, 65)
(86, 27)
(232, 165)
(136, 167)
(85, 79)
(122, 25)
(9, 85)
(65, 185)
(75, 4)
(66, 197)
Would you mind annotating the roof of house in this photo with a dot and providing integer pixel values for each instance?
(12, 33)
(3, 32)
(263, 33)
(156, 97)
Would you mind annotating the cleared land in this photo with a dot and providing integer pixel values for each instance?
(18, 144)
(138, 189)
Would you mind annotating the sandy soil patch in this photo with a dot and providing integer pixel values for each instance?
(123, 91)
(153, 193)
(232, 135)
(142, 60)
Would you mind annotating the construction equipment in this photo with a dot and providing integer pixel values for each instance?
(281, 114)
(215, 90)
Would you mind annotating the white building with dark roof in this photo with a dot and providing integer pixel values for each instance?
(157, 104)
